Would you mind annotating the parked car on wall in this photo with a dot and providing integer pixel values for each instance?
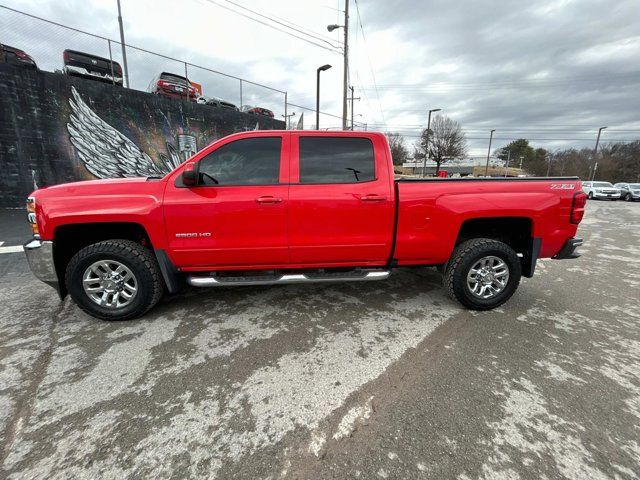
(257, 111)
(600, 190)
(629, 191)
(171, 85)
(15, 56)
(216, 102)
(86, 65)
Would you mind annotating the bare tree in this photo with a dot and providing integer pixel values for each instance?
(399, 152)
(446, 141)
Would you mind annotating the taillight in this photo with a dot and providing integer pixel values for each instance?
(31, 215)
(162, 83)
(21, 54)
(117, 68)
(577, 207)
(65, 56)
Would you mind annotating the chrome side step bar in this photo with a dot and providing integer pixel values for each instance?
(201, 281)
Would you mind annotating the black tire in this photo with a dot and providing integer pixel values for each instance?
(627, 197)
(463, 259)
(138, 259)
(590, 196)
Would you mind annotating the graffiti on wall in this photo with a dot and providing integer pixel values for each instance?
(106, 152)
(56, 129)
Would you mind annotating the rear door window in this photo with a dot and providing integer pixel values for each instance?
(250, 161)
(336, 160)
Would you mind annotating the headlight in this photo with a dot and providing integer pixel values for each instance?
(31, 215)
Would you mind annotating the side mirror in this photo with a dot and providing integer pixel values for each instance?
(189, 176)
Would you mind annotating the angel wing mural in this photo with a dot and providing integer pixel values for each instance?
(106, 152)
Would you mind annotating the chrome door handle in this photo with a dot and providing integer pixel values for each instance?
(268, 200)
(373, 198)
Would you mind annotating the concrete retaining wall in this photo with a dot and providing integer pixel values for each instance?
(56, 129)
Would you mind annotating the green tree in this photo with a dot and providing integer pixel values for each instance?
(520, 150)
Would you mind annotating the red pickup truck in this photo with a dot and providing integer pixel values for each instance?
(272, 207)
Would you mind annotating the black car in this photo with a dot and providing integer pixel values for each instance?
(85, 65)
(15, 56)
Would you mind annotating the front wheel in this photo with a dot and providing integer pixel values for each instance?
(114, 279)
(590, 196)
(627, 197)
(482, 273)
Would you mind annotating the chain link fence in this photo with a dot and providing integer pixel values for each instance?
(47, 41)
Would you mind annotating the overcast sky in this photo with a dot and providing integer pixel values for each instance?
(551, 71)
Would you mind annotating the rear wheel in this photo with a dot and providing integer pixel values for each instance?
(483, 273)
(627, 197)
(590, 196)
(114, 279)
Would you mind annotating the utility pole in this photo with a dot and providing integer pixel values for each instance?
(486, 168)
(346, 65)
(345, 52)
(595, 153)
(352, 98)
(426, 154)
(521, 158)
(124, 50)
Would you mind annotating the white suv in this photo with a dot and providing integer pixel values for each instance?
(600, 190)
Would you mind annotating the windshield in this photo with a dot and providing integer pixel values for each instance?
(634, 185)
(602, 184)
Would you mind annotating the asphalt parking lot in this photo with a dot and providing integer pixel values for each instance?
(373, 380)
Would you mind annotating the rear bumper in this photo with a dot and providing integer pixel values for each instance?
(613, 196)
(568, 251)
(40, 257)
(83, 72)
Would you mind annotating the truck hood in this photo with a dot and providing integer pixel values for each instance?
(111, 186)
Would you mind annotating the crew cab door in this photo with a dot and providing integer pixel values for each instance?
(236, 215)
(341, 200)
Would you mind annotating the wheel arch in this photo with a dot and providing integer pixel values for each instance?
(515, 231)
(70, 238)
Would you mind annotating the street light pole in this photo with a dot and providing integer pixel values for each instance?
(287, 121)
(124, 50)
(486, 168)
(320, 69)
(426, 154)
(508, 158)
(595, 153)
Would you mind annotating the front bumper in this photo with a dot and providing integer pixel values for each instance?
(568, 251)
(40, 257)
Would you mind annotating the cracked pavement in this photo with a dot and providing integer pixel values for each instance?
(372, 380)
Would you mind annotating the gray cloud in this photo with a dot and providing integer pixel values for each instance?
(541, 69)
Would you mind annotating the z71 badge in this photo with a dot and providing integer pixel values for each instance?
(563, 186)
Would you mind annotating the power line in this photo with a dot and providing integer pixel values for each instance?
(373, 75)
(288, 23)
(321, 112)
(333, 50)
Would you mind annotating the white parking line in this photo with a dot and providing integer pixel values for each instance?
(11, 249)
